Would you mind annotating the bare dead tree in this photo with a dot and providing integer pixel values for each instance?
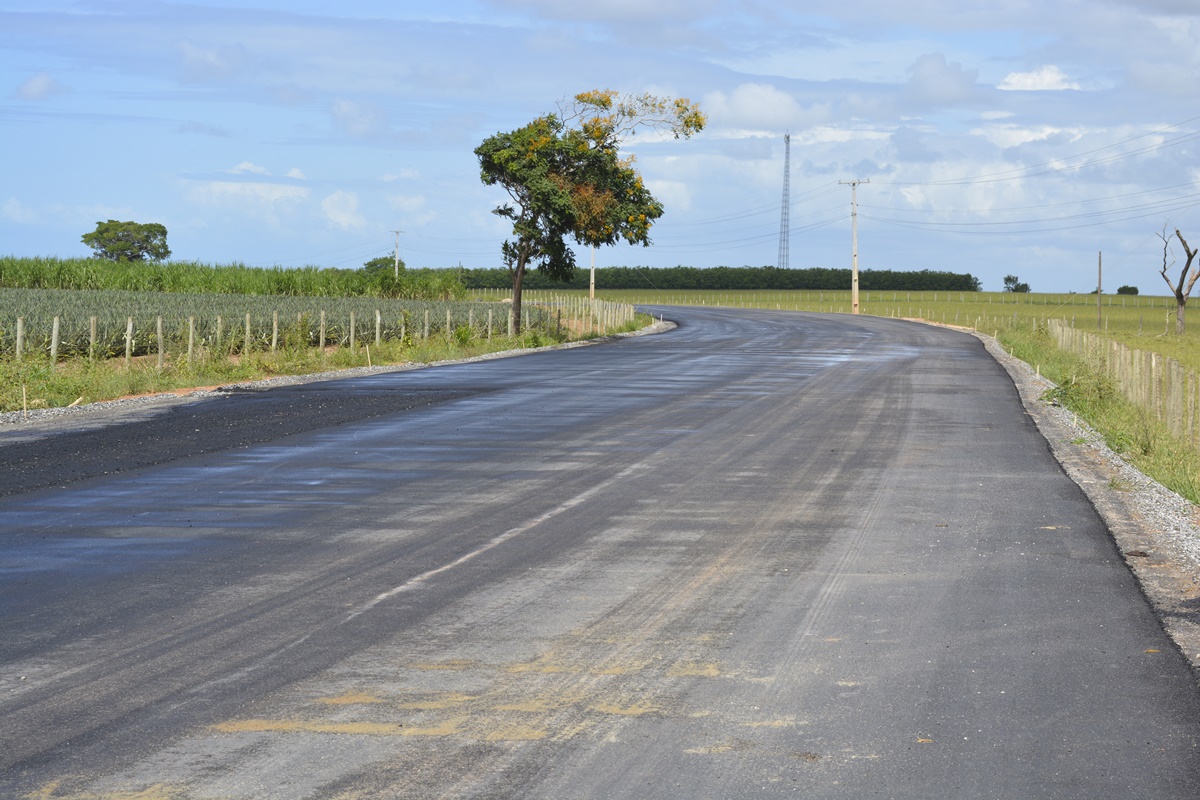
(1183, 287)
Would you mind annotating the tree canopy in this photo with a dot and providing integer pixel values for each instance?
(1013, 284)
(566, 180)
(383, 264)
(129, 241)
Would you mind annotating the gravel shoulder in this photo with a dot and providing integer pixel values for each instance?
(1155, 529)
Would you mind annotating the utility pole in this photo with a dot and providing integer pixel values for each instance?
(854, 242)
(785, 233)
(397, 264)
(1099, 281)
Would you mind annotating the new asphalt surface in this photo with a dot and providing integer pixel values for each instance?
(764, 554)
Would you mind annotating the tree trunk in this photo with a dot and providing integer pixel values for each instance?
(518, 275)
(1180, 305)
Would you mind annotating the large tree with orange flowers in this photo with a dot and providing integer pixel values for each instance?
(566, 179)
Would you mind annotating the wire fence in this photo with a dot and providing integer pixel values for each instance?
(37, 323)
(1160, 385)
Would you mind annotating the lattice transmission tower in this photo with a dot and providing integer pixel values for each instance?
(784, 222)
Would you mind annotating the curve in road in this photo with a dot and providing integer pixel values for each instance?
(764, 554)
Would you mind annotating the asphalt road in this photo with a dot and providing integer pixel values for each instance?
(765, 554)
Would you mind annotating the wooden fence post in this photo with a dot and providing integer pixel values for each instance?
(54, 343)
(159, 331)
(128, 342)
(20, 337)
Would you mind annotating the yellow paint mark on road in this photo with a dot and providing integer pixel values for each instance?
(737, 745)
(455, 664)
(438, 702)
(687, 669)
(349, 699)
(515, 733)
(308, 726)
(615, 670)
(539, 668)
(573, 730)
(159, 791)
(786, 722)
(924, 741)
(446, 728)
(1153, 651)
(45, 792)
(540, 705)
(623, 711)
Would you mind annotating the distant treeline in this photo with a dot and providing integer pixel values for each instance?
(733, 278)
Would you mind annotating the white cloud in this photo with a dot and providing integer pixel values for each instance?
(296, 173)
(674, 195)
(406, 203)
(14, 211)
(192, 126)
(248, 167)
(356, 119)
(412, 207)
(252, 199)
(635, 11)
(341, 208)
(404, 174)
(753, 108)
(39, 87)
(1006, 136)
(213, 64)
(832, 135)
(1043, 79)
(264, 193)
(932, 81)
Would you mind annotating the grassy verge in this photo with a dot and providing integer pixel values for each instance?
(1127, 429)
(36, 385)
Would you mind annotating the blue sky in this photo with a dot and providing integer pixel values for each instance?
(1000, 137)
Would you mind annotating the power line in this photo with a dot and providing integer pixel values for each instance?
(1018, 173)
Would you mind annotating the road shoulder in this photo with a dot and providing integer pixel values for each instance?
(1155, 529)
